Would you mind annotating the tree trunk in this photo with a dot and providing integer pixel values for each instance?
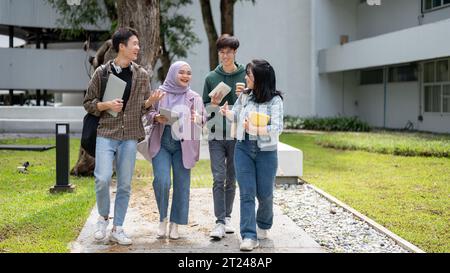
(142, 15)
(85, 165)
(227, 16)
(211, 32)
(165, 59)
(104, 52)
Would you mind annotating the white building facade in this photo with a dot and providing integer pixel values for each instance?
(386, 64)
(40, 64)
(391, 70)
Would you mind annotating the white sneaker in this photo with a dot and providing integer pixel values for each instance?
(228, 226)
(162, 231)
(120, 237)
(173, 231)
(262, 233)
(218, 232)
(249, 244)
(100, 232)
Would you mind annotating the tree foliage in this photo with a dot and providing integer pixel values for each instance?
(176, 35)
(74, 18)
(177, 28)
(226, 23)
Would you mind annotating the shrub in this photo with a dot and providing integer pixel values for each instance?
(395, 143)
(344, 124)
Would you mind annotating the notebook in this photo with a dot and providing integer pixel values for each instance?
(114, 90)
(222, 88)
(170, 115)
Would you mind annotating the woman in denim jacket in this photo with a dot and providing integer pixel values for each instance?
(255, 157)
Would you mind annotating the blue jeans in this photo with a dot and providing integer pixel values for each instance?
(124, 152)
(222, 166)
(170, 155)
(255, 173)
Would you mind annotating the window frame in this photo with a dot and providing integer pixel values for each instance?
(434, 83)
(372, 70)
(415, 66)
(442, 6)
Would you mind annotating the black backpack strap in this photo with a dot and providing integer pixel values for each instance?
(103, 80)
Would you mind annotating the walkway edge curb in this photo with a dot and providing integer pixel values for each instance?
(402, 242)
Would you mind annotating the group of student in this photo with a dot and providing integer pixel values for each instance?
(240, 148)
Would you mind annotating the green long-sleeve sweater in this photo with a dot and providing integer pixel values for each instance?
(212, 80)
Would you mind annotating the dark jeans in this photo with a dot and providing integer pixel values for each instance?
(255, 173)
(224, 187)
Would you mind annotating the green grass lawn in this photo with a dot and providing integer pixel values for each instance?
(32, 219)
(408, 195)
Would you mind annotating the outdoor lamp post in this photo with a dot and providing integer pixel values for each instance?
(62, 159)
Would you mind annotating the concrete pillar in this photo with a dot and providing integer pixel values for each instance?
(11, 45)
(45, 90)
(38, 46)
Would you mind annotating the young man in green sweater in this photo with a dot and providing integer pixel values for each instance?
(221, 142)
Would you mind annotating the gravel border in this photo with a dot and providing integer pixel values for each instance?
(334, 228)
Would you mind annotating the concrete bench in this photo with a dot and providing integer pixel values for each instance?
(290, 164)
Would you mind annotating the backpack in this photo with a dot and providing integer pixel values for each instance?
(90, 122)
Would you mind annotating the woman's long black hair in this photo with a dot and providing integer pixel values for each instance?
(265, 86)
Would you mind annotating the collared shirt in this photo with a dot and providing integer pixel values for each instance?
(273, 108)
(128, 124)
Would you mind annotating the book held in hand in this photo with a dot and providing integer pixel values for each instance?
(222, 88)
(259, 119)
(114, 90)
(170, 115)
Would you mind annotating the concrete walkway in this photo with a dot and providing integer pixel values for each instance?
(142, 222)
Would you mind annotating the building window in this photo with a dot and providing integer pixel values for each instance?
(446, 99)
(436, 84)
(432, 99)
(373, 76)
(404, 73)
(429, 5)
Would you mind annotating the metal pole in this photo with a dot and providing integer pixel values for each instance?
(62, 159)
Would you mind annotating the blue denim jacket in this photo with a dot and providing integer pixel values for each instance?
(274, 108)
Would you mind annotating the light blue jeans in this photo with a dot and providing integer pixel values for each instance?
(255, 173)
(124, 152)
(170, 156)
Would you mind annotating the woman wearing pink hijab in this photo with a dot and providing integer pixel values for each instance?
(176, 146)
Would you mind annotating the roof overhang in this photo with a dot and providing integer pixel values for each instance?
(424, 42)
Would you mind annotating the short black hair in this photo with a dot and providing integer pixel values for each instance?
(226, 40)
(265, 86)
(122, 35)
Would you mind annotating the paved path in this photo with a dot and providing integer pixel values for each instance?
(141, 224)
(142, 221)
